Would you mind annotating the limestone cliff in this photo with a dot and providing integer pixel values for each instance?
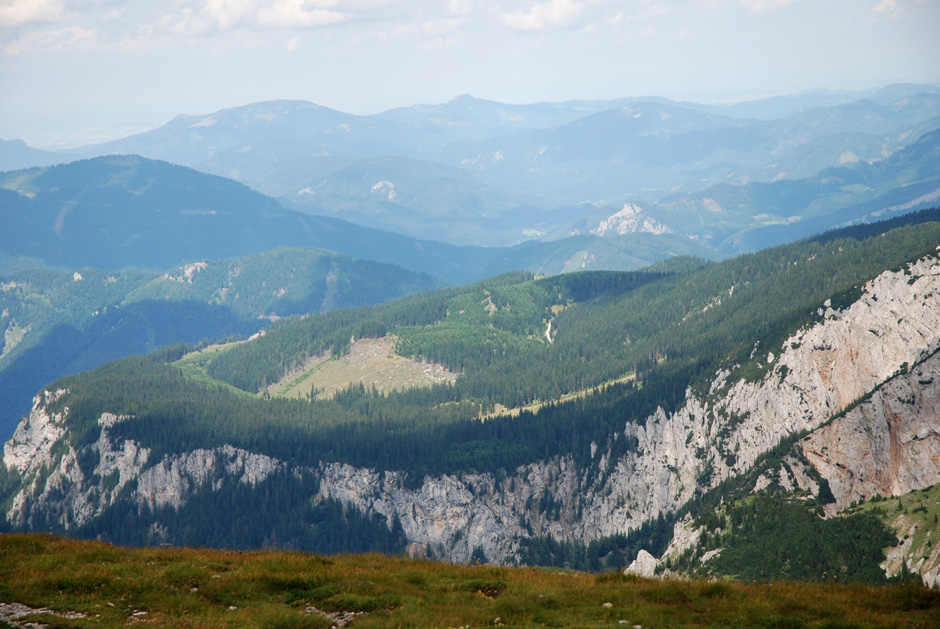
(56, 487)
(886, 446)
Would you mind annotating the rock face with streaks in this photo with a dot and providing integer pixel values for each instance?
(886, 446)
(30, 447)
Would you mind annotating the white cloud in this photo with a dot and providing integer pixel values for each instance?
(438, 27)
(57, 38)
(222, 15)
(551, 14)
(19, 12)
(461, 7)
(760, 6)
(296, 14)
(291, 44)
(886, 6)
(229, 13)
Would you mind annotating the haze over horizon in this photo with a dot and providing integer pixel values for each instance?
(77, 71)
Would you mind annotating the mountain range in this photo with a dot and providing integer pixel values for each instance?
(126, 211)
(113, 229)
(628, 418)
(476, 172)
(62, 322)
(665, 337)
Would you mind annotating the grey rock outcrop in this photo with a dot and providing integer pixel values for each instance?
(31, 445)
(57, 486)
(643, 566)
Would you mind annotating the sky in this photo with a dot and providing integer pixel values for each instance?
(77, 71)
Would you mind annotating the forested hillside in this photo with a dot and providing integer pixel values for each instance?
(561, 381)
(59, 322)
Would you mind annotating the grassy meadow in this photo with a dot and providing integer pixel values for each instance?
(68, 583)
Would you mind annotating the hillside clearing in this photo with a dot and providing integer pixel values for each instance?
(371, 362)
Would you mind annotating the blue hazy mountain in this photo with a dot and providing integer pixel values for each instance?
(467, 119)
(478, 172)
(747, 217)
(191, 140)
(16, 154)
(116, 212)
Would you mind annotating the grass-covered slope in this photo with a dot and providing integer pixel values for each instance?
(89, 584)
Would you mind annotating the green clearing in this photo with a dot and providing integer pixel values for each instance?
(915, 518)
(193, 366)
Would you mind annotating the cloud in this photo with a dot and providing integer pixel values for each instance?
(210, 16)
(295, 14)
(551, 14)
(57, 38)
(461, 7)
(886, 6)
(439, 27)
(761, 6)
(228, 13)
(19, 12)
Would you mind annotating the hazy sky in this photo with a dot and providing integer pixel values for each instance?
(72, 70)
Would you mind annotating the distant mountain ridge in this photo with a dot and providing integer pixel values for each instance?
(755, 215)
(15, 154)
(126, 211)
(482, 173)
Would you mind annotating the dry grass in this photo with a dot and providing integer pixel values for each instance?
(371, 361)
(202, 588)
(501, 410)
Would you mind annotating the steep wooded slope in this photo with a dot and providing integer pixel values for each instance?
(706, 370)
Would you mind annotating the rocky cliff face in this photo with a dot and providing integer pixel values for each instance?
(744, 411)
(55, 485)
(886, 446)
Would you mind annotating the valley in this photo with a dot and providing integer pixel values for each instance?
(637, 338)
(595, 467)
